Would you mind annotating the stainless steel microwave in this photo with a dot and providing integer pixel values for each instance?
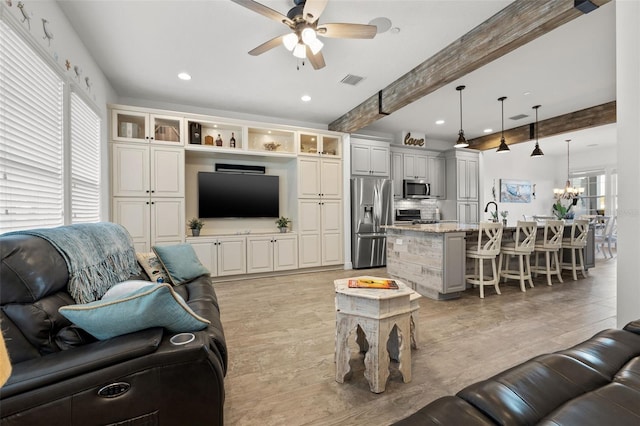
(416, 188)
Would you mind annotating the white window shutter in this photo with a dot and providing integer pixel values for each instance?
(85, 162)
(31, 137)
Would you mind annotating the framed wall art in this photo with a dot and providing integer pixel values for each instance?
(515, 191)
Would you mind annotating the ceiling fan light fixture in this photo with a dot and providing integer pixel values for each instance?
(308, 35)
(290, 41)
(315, 45)
(300, 51)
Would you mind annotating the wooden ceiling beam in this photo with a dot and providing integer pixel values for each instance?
(514, 26)
(589, 117)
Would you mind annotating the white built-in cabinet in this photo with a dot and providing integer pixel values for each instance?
(147, 177)
(462, 168)
(320, 224)
(406, 163)
(415, 166)
(222, 256)
(154, 153)
(278, 252)
(144, 127)
(369, 158)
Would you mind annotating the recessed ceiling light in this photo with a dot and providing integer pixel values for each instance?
(526, 93)
(305, 98)
(382, 24)
(439, 122)
(488, 130)
(394, 30)
(592, 144)
(184, 76)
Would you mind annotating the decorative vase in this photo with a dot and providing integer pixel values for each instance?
(504, 222)
(283, 229)
(195, 232)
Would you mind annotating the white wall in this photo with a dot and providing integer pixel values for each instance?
(628, 105)
(66, 45)
(546, 172)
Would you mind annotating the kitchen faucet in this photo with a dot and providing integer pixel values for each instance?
(486, 209)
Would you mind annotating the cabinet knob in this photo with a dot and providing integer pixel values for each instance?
(153, 202)
(147, 191)
(153, 191)
(147, 203)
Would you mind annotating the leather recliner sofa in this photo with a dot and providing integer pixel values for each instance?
(596, 382)
(63, 376)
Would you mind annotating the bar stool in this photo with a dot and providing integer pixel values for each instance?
(487, 248)
(576, 243)
(522, 246)
(551, 243)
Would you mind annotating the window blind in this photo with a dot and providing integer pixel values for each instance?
(85, 162)
(31, 137)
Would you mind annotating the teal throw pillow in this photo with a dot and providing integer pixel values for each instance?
(181, 262)
(150, 305)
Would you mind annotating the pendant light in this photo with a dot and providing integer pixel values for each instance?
(568, 192)
(462, 142)
(503, 144)
(537, 152)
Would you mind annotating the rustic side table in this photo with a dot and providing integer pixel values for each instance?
(373, 314)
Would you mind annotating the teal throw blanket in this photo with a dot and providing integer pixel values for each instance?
(98, 256)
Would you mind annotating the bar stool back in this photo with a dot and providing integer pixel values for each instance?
(522, 246)
(486, 248)
(550, 244)
(576, 243)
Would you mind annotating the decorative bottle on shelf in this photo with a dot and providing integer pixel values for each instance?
(232, 141)
(218, 140)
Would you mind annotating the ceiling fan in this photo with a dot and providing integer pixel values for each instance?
(302, 19)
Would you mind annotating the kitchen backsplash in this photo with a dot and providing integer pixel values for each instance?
(427, 207)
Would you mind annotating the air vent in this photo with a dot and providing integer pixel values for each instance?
(351, 79)
(518, 117)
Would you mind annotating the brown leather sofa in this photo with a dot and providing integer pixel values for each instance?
(596, 382)
(63, 376)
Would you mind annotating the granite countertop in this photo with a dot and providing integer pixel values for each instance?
(437, 228)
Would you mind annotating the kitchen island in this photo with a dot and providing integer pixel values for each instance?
(431, 258)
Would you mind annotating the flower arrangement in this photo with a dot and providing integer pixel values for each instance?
(562, 212)
(504, 214)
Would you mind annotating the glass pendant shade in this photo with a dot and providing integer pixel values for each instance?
(315, 45)
(290, 41)
(461, 142)
(503, 143)
(300, 51)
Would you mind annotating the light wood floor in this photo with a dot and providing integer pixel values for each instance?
(280, 336)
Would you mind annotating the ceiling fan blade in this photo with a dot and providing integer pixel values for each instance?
(347, 30)
(268, 45)
(317, 60)
(264, 11)
(313, 9)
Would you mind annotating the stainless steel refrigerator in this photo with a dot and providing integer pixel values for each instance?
(371, 207)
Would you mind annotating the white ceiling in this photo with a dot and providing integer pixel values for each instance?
(142, 45)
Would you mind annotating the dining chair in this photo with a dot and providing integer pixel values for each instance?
(522, 247)
(601, 231)
(611, 236)
(550, 244)
(487, 247)
(576, 244)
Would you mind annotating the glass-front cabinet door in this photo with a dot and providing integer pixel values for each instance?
(316, 144)
(166, 129)
(129, 126)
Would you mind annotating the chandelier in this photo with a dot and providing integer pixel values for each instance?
(568, 192)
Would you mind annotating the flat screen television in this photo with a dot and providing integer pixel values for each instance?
(238, 195)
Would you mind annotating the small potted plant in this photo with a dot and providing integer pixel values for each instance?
(195, 225)
(283, 223)
(504, 215)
